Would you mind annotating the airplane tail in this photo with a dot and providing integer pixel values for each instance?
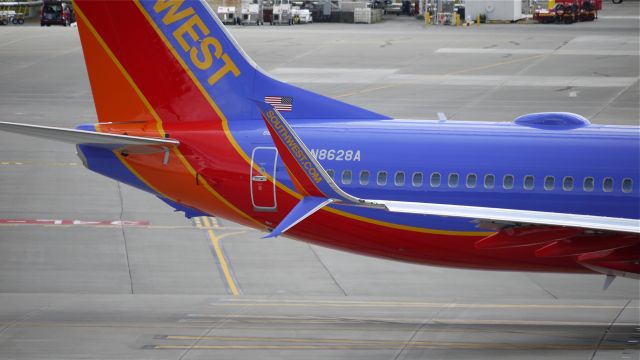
(166, 62)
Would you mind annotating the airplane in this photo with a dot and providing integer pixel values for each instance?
(185, 114)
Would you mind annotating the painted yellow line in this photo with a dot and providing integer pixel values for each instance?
(428, 345)
(298, 303)
(396, 321)
(381, 325)
(221, 259)
(284, 339)
(358, 342)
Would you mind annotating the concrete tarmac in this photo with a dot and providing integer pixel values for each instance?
(94, 269)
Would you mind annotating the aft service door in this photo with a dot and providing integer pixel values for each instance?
(263, 191)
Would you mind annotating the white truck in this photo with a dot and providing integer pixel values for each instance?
(301, 16)
(282, 13)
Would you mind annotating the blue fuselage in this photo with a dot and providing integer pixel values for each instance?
(591, 170)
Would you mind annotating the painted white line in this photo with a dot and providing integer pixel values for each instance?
(299, 75)
(619, 17)
(537, 52)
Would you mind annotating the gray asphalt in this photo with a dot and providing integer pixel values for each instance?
(158, 291)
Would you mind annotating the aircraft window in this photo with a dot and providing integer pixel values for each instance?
(528, 182)
(399, 180)
(507, 182)
(489, 181)
(453, 180)
(627, 185)
(588, 184)
(382, 178)
(472, 179)
(330, 172)
(364, 177)
(416, 181)
(346, 177)
(549, 182)
(567, 183)
(607, 184)
(435, 179)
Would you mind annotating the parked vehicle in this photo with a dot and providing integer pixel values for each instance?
(57, 13)
(227, 15)
(568, 12)
(301, 16)
(394, 8)
(282, 13)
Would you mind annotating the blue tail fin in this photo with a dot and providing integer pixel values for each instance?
(193, 32)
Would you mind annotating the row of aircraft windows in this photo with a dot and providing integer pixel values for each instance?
(453, 181)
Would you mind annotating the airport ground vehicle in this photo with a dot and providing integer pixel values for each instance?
(568, 12)
(57, 13)
(9, 15)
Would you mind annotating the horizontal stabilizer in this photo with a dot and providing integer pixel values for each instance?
(132, 144)
(305, 208)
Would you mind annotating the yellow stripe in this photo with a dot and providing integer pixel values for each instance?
(115, 60)
(276, 339)
(208, 98)
(155, 116)
(408, 305)
(406, 345)
(135, 173)
(289, 191)
(357, 342)
(221, 259)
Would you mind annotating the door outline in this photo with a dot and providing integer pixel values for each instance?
(255, 178)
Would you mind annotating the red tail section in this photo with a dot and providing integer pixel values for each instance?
(135, 78)
(142, 87)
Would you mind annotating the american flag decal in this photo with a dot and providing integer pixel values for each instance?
(280, 103)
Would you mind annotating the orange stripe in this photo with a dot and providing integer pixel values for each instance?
(181, 183)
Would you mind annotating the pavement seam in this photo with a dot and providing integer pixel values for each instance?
(606, 332)
(611, 101)
(424, 324)
(124, 237)
(335, 281)
(540, 286)
(209, 331)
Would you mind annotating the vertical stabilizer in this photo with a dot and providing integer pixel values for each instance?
(172, 61)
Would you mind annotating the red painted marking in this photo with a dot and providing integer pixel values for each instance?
(74, 222)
